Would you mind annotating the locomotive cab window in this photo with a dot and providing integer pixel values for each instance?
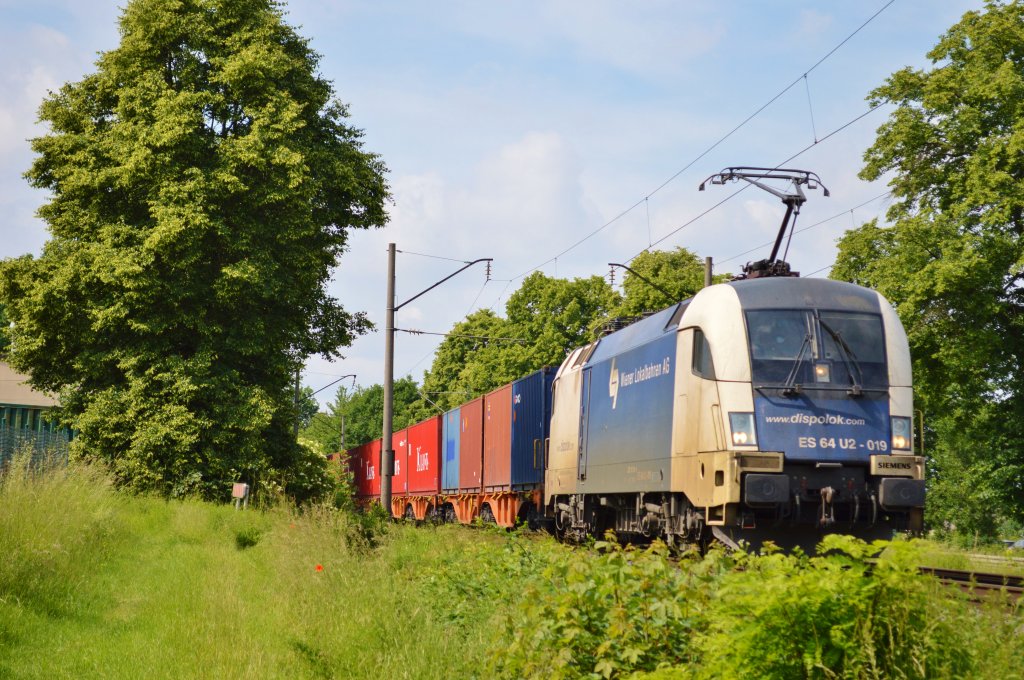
(808, 347)
(702, 364)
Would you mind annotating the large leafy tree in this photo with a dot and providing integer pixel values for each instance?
(546, 318)
(201, 185)
(363, 409)
(678, 274)
(472, 360)
(953, 260)
(5, 340)
(555, 316)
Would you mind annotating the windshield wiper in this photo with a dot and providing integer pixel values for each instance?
(849, 358)
(790, 388)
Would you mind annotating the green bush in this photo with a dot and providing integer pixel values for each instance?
(609, 612)
(856, 611)
(247, 537)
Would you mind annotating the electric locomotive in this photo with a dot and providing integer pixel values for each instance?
(770, 407)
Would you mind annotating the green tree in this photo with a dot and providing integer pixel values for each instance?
(364, 410)
(5, 338)
(202, 184)
(472, 360)
(307, 406)
(546, 319)
(555, 316)
(953, 261)
(679, 272)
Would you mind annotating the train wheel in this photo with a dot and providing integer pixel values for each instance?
(410, 514)
(486, 516)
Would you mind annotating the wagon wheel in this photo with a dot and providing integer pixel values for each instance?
(486, 516)
(409, 514)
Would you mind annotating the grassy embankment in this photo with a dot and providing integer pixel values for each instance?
(97, 584)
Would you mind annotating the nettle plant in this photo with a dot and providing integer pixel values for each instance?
(857, 610)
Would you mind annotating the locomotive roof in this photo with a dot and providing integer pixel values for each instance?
(763, 293)
(639, 333)
(792, 292)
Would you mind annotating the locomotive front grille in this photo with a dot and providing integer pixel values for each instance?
(762, 461)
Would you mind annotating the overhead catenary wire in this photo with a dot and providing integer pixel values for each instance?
(488, 338)
(433, 257)
(480, 292)
(809, 226)
(709, 149)
(810, 108)
(818, 271)
(744, 188)
(500, 295)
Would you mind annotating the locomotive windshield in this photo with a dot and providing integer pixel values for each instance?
(811, 347)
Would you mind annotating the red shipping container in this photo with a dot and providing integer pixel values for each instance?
(400, 480)
(498, 439)
(424, 457)
(471, 445)
(364, 461)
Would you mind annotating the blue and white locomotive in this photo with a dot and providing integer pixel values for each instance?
(773, 407)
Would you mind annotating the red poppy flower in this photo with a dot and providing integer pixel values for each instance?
(319, 567)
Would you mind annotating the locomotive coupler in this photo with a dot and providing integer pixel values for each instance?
(828, 514)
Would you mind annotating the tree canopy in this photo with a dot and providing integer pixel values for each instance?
(953, 260)
(201, 184)
(679, 272)
(363, 409)
(545, 319)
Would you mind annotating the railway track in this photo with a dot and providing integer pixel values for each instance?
(980, 586)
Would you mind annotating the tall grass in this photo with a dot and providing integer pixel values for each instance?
(97, 584)
(57, 524)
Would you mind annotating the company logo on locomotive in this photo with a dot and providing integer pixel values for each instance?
(647, 371)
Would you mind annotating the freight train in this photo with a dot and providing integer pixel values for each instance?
(769, 408)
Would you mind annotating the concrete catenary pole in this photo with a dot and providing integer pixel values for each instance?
(387, 453)
(707, 272)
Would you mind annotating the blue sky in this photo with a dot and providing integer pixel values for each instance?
(513, 129)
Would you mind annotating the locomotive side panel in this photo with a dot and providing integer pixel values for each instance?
(629, 420)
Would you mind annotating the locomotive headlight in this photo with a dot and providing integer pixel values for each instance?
(742, 426)
(901, 434)
(822, 373)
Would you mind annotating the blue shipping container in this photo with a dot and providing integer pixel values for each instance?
(531, 415)
(450, 448)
